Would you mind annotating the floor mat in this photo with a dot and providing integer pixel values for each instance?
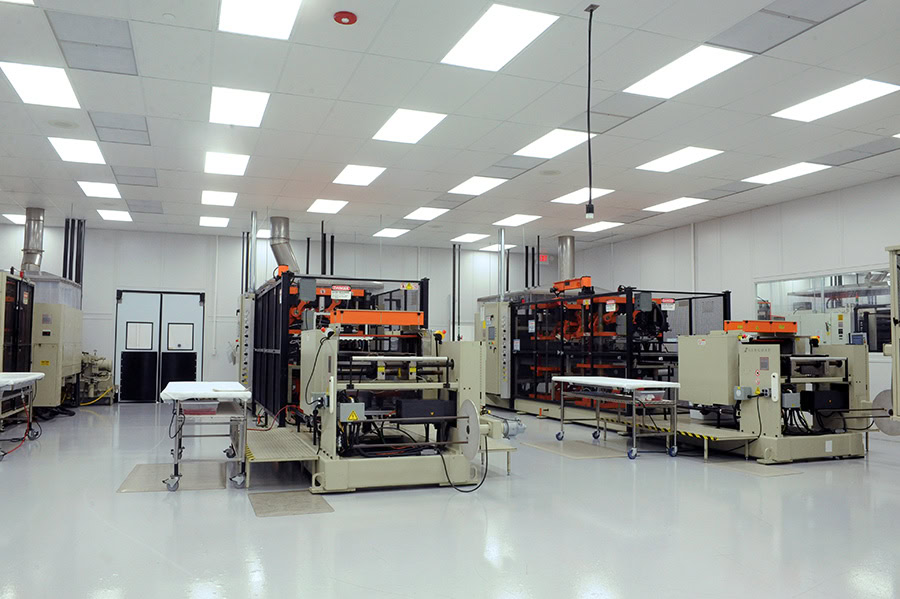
(288, 503)
(577, 450)
(196, 476)
(757, 469)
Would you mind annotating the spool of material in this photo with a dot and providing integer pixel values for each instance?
(470, 429)
(884, 404)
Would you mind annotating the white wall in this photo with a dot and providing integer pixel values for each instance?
(173, 262)
(842, 230)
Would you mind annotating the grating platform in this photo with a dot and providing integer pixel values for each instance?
(277, 445)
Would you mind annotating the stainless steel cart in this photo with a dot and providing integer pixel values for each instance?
(639, 395)
(208, 404)
(17, 391)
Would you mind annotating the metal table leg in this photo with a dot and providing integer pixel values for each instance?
(508, 464)
(562, 412)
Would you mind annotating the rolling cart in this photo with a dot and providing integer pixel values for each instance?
(17, 391)
(200, 404)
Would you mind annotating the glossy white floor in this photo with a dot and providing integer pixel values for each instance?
(609, 528)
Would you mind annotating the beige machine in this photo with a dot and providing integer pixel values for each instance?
(56, 337)
(832, 327)
(888, 401)
(391, 420)
(492, 327)
(787, 398)
(96, 377)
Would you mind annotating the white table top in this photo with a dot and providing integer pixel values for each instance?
(222, 390)
(616, 383)
(17, 380)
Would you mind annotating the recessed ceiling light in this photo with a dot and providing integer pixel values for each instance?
(220, 163)
(99, 190)
(390, 232)
(837, 100)
(213, 221)
(117, 215)
(581, 196)
(218, 198)
(788, 172)
(29, 2)
(516, 220)
(554, 143)
(264, 234)
(327, 206)
(263, 18)
(680, 159)
(408, 126)
(496, 38)
(18, 219)
(496, 248)
(354, 174)
(47, 86)
(77, 150)
(476, 186)
(237, 107)
(426, 213)
(469, 238)
(597, 227)
(675, 205)
(695, 67)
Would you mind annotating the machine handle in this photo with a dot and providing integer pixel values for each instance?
(776, 389)
(331, 395)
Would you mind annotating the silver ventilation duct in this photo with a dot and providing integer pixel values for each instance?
(566, 257)
(280, 243)
(34, 240)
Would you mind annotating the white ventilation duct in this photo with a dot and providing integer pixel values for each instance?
(566, 257)
(280, 243)
(34, 240)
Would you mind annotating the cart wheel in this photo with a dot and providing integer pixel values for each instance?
(229, 453)
(632, 453)
(172, 486)
(673, 451)
(238, 481)
(33, 434)
(559, 436)
(596, 434)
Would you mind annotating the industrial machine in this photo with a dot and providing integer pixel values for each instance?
(56, 338)
(16, 321)
(832, 327)
(788, 397)
(887, 403)
(96, 380)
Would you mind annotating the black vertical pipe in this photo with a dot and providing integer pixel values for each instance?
(243, 262)
(508, 252)
(72, 250)
(79, 258)
(323, 248)
(66, 251)
(307, 255)
(453, 293)
(533, 265)
(459, 291)
(332, 254)
(526, 267)
(538, 282)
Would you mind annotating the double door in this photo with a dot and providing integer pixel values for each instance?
(159, 339)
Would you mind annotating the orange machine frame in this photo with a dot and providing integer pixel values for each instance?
(761, 326)
(378, 317)
(569, 284)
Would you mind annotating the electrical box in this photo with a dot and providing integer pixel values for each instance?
(708, 368)
(352, 412)
(832, 328)
(492, 326)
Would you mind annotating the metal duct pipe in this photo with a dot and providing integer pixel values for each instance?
(34, 240)
(280, 243)
(566, 257)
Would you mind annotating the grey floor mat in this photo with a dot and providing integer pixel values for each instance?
(577, 450)
(196, 476)
(288, 503)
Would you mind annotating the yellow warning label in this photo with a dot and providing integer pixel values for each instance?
(381, 369)
(45, 362)
(352, 416)
(758, 391)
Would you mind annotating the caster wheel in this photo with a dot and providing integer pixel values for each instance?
(673, 451)
(229, 453)
(596, 434)
(238, 481)
(172, 486)
(632, 453)
(33, 434)
(559, 436)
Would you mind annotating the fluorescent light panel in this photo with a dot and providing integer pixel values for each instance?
(47, 86)
(581, 196)
(426, 213)
(788, 172)
(327, 206)
(29, 2)
(476, 186)
(516, 220)
(218, 198)
(837, 100)
(695, 67)
(99, 190)
(116, 215)
(213, 221)
(496, 248)
(19, 219)
(237, 107)
(408, 126)
(77, 150)
(680, 159)
(264, 234)
(354, 174)
(467, 238)
(497, 37)
(262, 18)
(675, 205)
(220, 163)
(554, 143)
(390, 232)
(598, 226)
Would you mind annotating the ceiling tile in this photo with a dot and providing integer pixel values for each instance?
(503, 97)
(172, 52)
(319, 72)
(353, 119)
(555, 107)
(176, 99)
(444, 88)
(198, 14)
(26, 37)
(459, 132)
(317, 27)
(383, 80)
(110, 92)
(700, 20)
(246, 62)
